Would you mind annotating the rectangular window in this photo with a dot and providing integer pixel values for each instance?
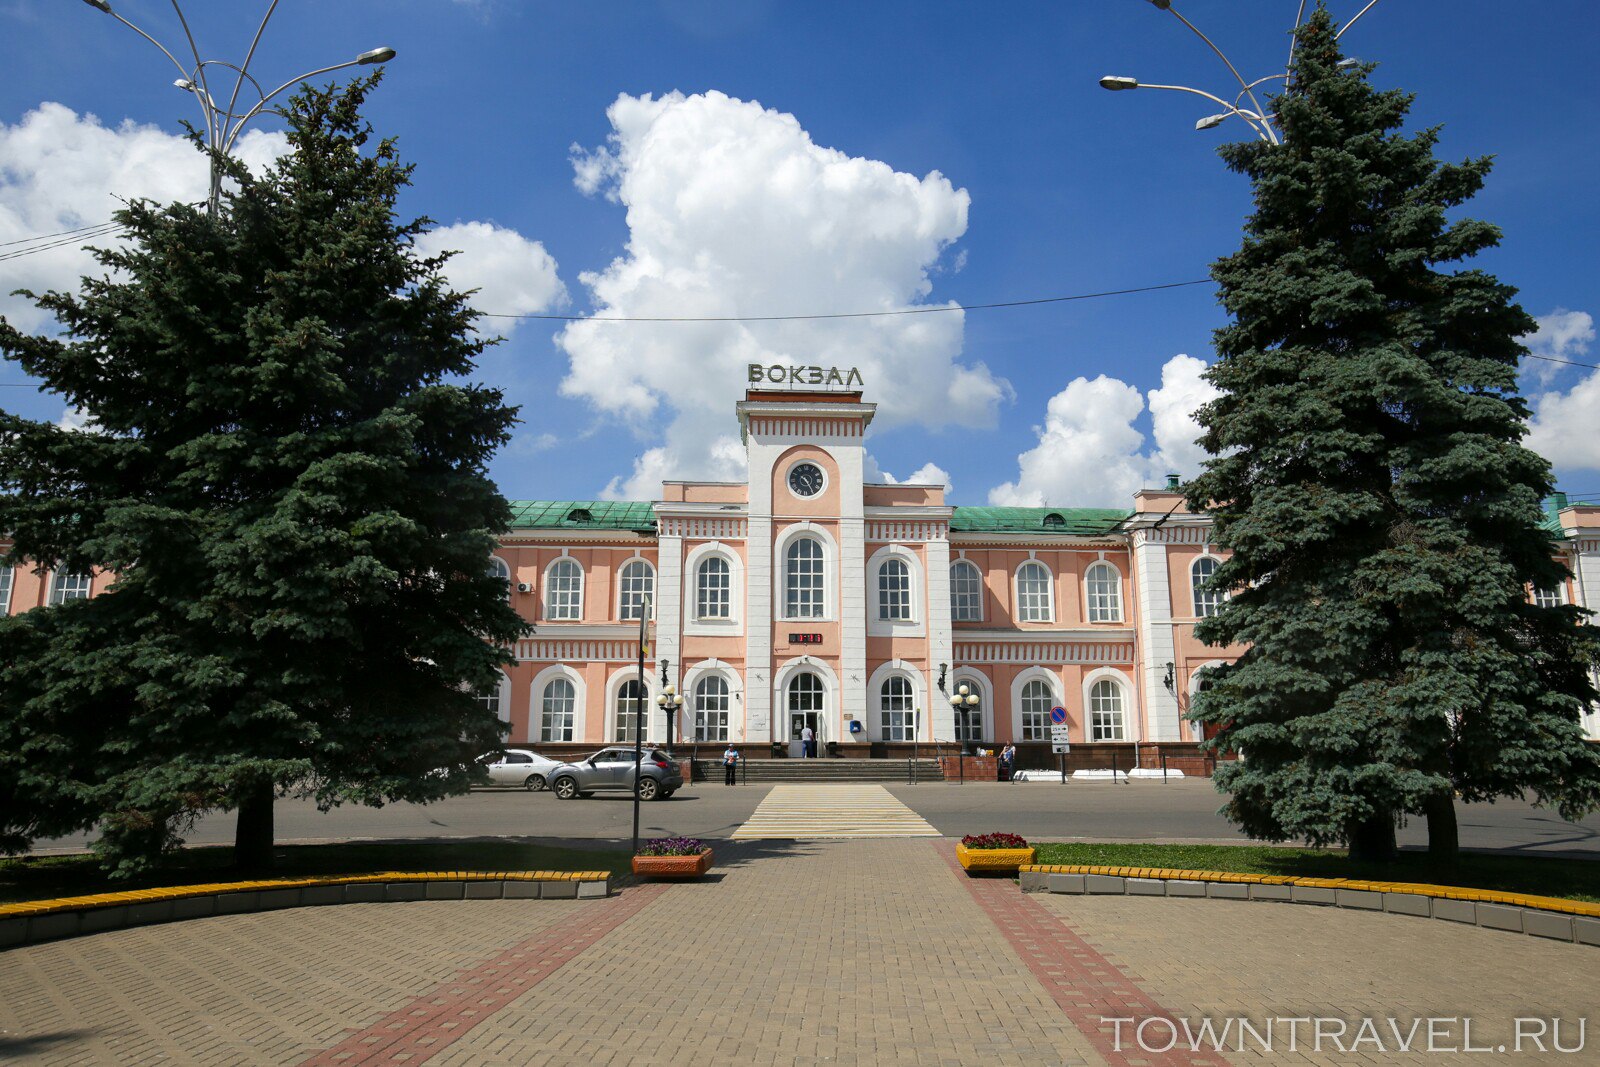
(1104, 587)
(1033, 594)
(564, 592)
(1036, 703)
(1548, 598)
(5, 590)
(803, 580)
(67, 587)
(714, 594)
(894, 591)
(638, 584)
(966, 594)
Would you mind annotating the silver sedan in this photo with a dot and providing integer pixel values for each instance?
(521, 767)
(612, 768)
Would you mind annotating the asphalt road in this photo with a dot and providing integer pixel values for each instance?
(1181, 811)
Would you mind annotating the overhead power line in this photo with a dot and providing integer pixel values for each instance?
(62, 233)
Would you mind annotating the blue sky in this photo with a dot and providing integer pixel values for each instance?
(1051, 186)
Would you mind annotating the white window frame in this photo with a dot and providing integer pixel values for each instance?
(976, 722)
(7, 582)
(550, 591)
(692, 623)
(1038, 730)
(498, 701)
(536, 689)
(1095, 612)
(1019, 684)
(625, 719)
(81, 587)
(623, 595)
(499, 568)
(1109, 724)
(977, 595)
(877, 625)
(830, 573)
(704, 732)
(713, 600)
(735, 682)
(1022, 614)
(1550, 598)
(897, 723)
(547, 727)
(1206, 602)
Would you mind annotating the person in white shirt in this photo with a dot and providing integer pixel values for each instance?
(808, 743)
(730, 763)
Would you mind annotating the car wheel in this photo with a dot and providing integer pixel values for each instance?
(535, 783)
(666, 793)
(649, 788)
(565, 788)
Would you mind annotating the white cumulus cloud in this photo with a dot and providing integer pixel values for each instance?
(1089, 452)
(1562, 334)
(512, 274)
(1565, 428)
(733, 209)
(929, 473)
(60, 170)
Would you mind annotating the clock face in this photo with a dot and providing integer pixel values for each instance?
(805, 479)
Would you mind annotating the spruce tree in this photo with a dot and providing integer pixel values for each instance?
(286, 471)
(1367, 475)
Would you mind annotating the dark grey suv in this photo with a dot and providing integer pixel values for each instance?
(612, 768)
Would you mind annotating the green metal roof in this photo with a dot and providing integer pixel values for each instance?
(1552, 515)
(637, 515)
(1082, 522)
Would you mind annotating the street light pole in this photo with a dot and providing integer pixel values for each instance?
(223, 125)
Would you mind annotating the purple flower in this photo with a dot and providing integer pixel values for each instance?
(672, 846)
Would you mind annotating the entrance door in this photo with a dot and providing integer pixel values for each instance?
(805, 710)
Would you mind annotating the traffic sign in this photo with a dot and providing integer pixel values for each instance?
(1058, 715)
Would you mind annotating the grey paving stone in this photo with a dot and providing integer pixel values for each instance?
(1147, 887)
(559, 890)
(1034, 881)
(49, 927)
(490, 890)
(1407, 904)
(279, 898)
(113, 918)
(1586, 930)
(1358, 898)
(1500, 917)
(520, 890)
(149, 911)
(194, 907)
(1105, 883)
(13, 931)
(1456, 911)
(593, 890)
(1547, 924)
(406, 891)
(1228, 890)
(365, 893)
(1183, 887)
(322, 894)
(448, 890)
(1066, 883)
(1311, 894)
(233, 903)
(1269, 892)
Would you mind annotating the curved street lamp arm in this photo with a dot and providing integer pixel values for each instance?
(1258, 81)
(185, 72)
(1294, 37)
(243, 71)
(1353, 21)
(199, 65)
(243, 76)
(1259, 123)
(1226, 61)
(262, 106)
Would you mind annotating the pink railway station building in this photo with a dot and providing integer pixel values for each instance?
(810, 597)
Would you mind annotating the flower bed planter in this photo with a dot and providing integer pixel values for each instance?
(993, 853)
(674, 866)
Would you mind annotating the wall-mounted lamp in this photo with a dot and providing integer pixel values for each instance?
(1169, 680)
(943, 667)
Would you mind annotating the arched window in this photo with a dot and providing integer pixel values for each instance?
(637, 583)
(499, 569)
(1034, 602)
(1105, 711)
(556, 708)
(966, 592)
(802, 579)
(805, 703)
(563, 591)
(5, 590)
(1037, 700)
(711, 708)
(67, 587)
(1548, 598)
(894, 590)
(897, 705)
(713, 589)
(1104, 586)
(1206, 599)
(968, 719)
(627, 716)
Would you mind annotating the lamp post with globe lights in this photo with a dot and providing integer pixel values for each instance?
(669, 700)
(222, 125)
(965, 702)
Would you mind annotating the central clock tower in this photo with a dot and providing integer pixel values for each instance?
(806, 458)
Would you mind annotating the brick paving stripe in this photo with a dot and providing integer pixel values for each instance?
(1087, 986)
(436, 1019)
(806, 812)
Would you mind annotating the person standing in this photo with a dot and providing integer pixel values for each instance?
(730, 764)
(1008, 762)
(808, 743)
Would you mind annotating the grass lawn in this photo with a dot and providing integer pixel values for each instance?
(1573, 879)
(42, 877)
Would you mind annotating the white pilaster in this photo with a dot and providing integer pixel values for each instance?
(1154, 593)
(853, 591)
(757, 724)
(940, 717)
(1586, 570)
(669, 626)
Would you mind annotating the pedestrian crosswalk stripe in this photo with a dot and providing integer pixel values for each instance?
(815, 811)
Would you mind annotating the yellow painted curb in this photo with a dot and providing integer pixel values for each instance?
(1417, 889)
(33, 908)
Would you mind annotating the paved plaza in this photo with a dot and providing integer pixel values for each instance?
(813, 952)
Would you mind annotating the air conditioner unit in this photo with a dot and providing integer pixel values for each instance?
(524, 587)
